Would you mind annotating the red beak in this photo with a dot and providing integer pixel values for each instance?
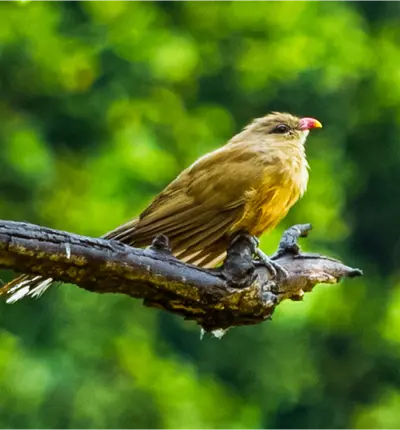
(309, 123)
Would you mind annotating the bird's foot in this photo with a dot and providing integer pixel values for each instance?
(275, 268)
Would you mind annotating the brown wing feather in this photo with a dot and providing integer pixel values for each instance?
(213, 226)
(216, 231)
(209, 256)
(199, 208)
(211, 259)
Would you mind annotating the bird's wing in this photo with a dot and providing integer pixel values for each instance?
(197, 210)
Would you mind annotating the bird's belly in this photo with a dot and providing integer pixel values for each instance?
(266, 208)
(269, 215)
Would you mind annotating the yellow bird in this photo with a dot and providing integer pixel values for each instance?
(248, 185)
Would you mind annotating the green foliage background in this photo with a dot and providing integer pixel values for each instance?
(101, 105)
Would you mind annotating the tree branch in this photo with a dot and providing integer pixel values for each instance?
(241, 292)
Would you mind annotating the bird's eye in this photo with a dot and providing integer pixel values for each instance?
(281, 129)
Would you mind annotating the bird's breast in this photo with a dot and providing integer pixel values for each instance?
(278, 189)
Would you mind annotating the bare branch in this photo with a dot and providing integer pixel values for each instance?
(241, 292)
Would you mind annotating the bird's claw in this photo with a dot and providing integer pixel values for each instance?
(276, 269)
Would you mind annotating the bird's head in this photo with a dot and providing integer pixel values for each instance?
(283, 128)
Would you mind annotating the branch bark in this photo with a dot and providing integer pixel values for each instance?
(241, 292)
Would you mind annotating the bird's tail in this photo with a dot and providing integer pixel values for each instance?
(25, 285)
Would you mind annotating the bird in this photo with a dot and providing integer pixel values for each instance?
(248, 186)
